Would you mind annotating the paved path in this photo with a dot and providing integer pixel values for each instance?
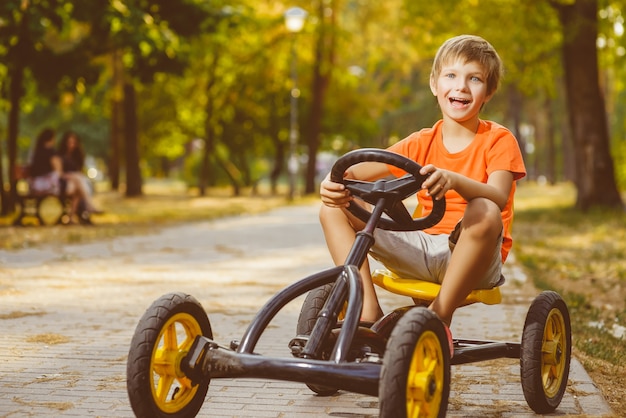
(68, 315)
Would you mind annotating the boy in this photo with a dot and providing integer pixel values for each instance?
(472, 162)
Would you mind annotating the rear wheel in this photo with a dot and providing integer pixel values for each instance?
(313, 304)
(364, 343)
(546, 352)
(415, 377)
(157, 387)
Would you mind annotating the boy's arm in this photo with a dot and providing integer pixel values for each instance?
(335, 194)
(496, 189)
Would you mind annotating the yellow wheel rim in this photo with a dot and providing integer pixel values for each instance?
(553, 353)
(171, 390)
(425, 379)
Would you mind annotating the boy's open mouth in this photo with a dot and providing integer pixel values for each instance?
(457, 101)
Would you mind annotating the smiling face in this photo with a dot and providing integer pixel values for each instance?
(466, 73)
(461, 90)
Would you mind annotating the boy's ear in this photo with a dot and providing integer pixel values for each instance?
(433, 86)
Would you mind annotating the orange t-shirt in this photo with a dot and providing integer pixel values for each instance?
(494, 148)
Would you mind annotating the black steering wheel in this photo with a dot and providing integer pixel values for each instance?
(393, 190)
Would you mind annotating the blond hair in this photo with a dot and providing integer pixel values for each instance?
(470, 48)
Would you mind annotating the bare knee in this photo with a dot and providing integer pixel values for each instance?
(483, 218)
(332, 218)
(70, 188)
(327, 214)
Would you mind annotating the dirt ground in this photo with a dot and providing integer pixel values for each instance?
(609, 378)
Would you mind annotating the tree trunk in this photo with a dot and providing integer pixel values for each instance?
(595, 176)
(133, 173)
(515, 105)
(566, 142)
(16, 80)
(232, 174)
(16, 91)
(279, 148)
(117, 133)
(5, 209)
(209, 120)
(322, 69)
(279, 157)
(536, 132)
(117, 118)
(551, 162)
(207, 151)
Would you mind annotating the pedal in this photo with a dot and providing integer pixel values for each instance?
(296, 345)
(371, 358)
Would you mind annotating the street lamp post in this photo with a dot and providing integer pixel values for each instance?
(294, 21)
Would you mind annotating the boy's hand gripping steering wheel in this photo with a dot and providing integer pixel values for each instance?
(393, 190)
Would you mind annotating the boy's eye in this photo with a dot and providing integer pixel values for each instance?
(449, 75)
(475, 78)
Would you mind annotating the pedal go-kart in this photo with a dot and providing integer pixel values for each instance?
(403, 358)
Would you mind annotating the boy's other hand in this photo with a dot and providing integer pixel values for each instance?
(439, 181)
(333, 194)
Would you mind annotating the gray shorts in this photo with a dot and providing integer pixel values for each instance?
(421, 256)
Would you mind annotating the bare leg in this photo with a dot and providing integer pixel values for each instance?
(340, 234)
(76, 184)
(74, 207)
(480, 229)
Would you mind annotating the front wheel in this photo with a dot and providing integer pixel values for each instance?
(156, 385)
(546, 352)
(415, 377)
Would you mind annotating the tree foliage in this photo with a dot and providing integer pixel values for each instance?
(212, 81)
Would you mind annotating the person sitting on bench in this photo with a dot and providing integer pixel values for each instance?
(47, 176)
(73, 157)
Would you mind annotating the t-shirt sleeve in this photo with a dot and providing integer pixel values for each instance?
(505, 154)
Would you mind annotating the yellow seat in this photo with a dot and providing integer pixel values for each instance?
(427, 291)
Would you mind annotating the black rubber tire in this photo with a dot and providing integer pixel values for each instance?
(415, 377)
(313, 304)
(180, 318)
(546, 352)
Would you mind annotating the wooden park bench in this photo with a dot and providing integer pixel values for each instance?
(42, 208)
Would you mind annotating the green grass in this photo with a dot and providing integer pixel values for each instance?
(581, 256)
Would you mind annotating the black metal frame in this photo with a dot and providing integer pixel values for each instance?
(207, 359)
